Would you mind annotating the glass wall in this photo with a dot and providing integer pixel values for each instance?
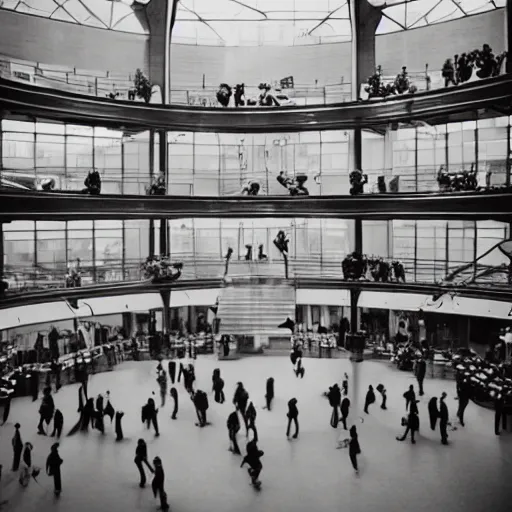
(414, 155)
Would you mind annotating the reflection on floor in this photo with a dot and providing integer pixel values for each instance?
(310, 474)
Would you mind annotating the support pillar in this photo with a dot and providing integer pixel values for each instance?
(166, 312)
(508, 28)
(354, 313)
(365, 19)
(1, 257)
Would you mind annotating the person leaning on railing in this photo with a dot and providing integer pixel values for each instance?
(92, 183)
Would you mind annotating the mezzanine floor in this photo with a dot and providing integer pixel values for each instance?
(310, 474)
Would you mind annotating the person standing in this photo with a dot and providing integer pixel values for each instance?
(463, 394)
(119, 426)
(53, 468)
(345, 407)
(334, 397)
(200, 400)
(500, 419)
(251, 421)
(293, 415)
(17, 447)
(353, 448)
(34, 383)
(421, 370)
(141, 457)
(174, 396)
(149, 415)
(172, 370)
(45, 411)
(58, 423)
(270, 393)
(443, 419)
(158, 483)
(382, 390)
(344, 384)
(233, 425)
(218, 389)
(24, 478)
(433, 412)
(412, 425)
(370, 399)
(410, 396)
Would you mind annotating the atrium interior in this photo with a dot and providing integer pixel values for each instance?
(199, 198)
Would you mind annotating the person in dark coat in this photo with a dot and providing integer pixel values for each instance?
(53, 464)
(251, 421)
(240, 399)
(370, 399)
(174, 396)
(141, 457)
(99, 424)
(253, 458)
(58, 423)
(353, 448)
(270, 393)
(119, 426)
(334, 397)
(7, 408)
(410, 396)
(218, 389)
(45, 411)
(56, 369)
(421, 370)
(34, 383)
(27, 460)
(201, 404)
(299, 370)
(149, 415)
(293, 415)
(345, 407)
(433, 412)
(17, 447)
(172, 370)
(233, 425)
(443, 419)
(500, 418)
(463, 394)
(382, 390)
(87, 415)
(158, 483)
(412, 425)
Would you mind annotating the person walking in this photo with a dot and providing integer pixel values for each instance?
(334, 397)
(463, 395)
(141, 457)
(293, 416)
(270, 393)
(382, 390)
(421, 370)
(158, 483)
(53, 468)
(370, 399)
(433, 412)
(233, 425)
(412, 425)
(345, 407)
(410, 396)
(353, 448)
(17, 447)
(443, 419)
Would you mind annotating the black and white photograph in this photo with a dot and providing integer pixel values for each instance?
(255, 255)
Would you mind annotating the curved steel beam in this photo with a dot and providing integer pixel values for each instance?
(437, 106)
(27, 205)
(113, 289)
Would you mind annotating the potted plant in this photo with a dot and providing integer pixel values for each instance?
(142, 86)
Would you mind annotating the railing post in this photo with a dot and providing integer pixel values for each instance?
(96, 86)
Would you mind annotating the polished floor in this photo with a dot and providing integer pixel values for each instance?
(473, 473)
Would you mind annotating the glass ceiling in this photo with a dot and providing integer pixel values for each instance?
(254, 22)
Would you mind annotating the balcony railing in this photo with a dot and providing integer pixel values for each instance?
(204, 267)
(103, 84)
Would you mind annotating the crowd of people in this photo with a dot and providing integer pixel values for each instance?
(377, 87)
(161, 268)
(459, 181)
(227, 95)
(357, 267)
(482, 63)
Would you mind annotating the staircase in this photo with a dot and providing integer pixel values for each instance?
(254, 308)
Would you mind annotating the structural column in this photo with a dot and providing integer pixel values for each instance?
(1, 257)
(166, 313)
(160, 16)
(508, 27)
(364, 20)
